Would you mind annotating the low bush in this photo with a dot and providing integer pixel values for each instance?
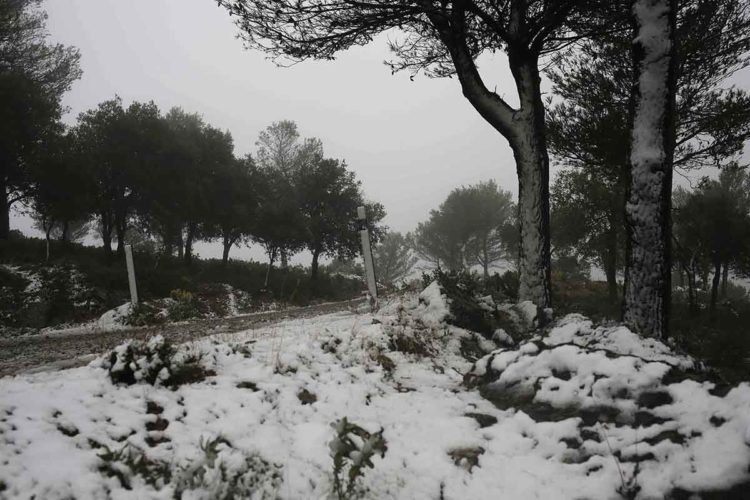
(221, 473)
(352, 450)
(155, 362)
(476, 304)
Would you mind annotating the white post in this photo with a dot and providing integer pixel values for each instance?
(131, 275)
(367, 254)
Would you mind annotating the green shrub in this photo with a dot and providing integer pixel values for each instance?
(154, 362)
(352, 450)
(474, 302)
(184, 305)
(221, 475)
(218, 474)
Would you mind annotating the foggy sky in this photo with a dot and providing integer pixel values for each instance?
(409, 142)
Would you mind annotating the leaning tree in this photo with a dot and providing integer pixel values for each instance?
(444, 39)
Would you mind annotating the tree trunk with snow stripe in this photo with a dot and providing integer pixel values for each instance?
(647, 212)
(524, 128)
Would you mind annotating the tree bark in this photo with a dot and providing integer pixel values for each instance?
(524, 129)
(227, 242)
(724, 280)
(271, 258)
(532, 165)
(107, 233)
(225, 253)
(180, 247)
(610, 270)
(715, 288)
(610, 264)
(314, 266)
(4, 211)
(65, 234)
(485, 261)
(648, 209)
(189, 243)
(692, 302)
(47, 231)
(120, 230)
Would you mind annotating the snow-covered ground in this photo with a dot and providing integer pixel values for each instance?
(610, 416)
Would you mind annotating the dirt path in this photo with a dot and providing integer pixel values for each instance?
(77, 347)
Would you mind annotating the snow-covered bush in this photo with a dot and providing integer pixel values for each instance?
(224, 473)
(154, 362)
(481, 305)
(352, 450)
(220, 473)
(184, 305)
(129, 462)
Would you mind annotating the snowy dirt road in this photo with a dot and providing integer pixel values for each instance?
(71, 348)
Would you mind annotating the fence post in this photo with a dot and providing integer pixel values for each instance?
(367, 254)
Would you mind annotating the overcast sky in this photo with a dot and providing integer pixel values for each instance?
(409, 142)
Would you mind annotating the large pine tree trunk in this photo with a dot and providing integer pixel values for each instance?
(647, 211)
(524, 128)
(532, 165)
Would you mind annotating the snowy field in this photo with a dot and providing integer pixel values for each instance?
(613, 416)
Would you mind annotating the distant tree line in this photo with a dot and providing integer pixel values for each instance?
(174, 178)
(165, 180)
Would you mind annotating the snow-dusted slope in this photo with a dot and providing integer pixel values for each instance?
(276, 392)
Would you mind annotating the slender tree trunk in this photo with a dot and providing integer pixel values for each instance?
(610, 263)
(4, 210)
(107, 233)
(271, 258)
(225, 253)
(120, 232)
(314, 266)
(532, 166)
(715, 288)
(724, 279)
(65, 234)
(227, 242)
(180, 247)
(610, 270)
(485, 261)
(189, 243)
(648, 209)
(284, 259)
(692, 302)
(47, 231)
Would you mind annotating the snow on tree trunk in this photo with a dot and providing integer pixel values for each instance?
(647, 211)
(532, 166)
